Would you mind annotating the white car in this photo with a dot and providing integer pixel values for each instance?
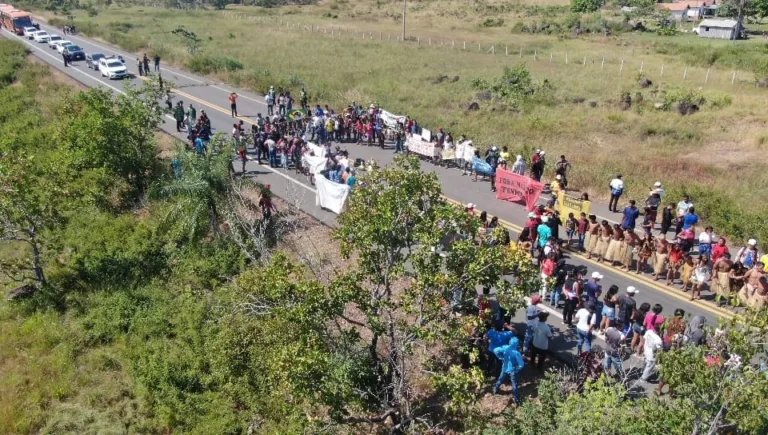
(42, 36)
(61, 44)
(112, 68)
(29, 32)
(53, 39)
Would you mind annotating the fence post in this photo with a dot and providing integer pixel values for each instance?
(621, 68)
(521, 52)
(642, 63)
(453, 43)
(706, 79)
(602, 64)
(662, 70)
(550, 57)
(379, 36)
(389, 36)
(430, 41)
(478, 47)
(585, 60)
(418, 41)
(370, 34)
(493, 49)
(685, 73)
(733, 79)
(465, 45)
(535, 52)
(566, 58)
(506, 51)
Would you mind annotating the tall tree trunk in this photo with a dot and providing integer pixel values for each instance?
(37, 261)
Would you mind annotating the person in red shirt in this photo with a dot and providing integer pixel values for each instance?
(720, 249)
(243, 157)
(676, 256)
(581, 229)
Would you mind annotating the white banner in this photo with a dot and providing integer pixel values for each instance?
(314, 164)
(317, 149)
(465, 150)
(418, 146)
(390, 119)
(426, 135)
(330, 195)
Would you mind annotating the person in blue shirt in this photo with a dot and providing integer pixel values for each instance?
(512, 365)
(690, 219)
(199, 145)
(631, 213)
(544, 232)
(498, 337)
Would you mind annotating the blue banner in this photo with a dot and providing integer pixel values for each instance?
(482, 167)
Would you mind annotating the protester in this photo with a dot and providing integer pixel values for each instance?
(542, 333)
(631, 213)
(626, 307)
(233, 104)
(682, 210)
(532, 317)
(571, 292)
(512, 364)
(651, 345)
(617, 189)
(609, 308)
(613, 340)
(519, 166)
(586, 321)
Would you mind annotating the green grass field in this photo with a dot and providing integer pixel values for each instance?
(699, 153)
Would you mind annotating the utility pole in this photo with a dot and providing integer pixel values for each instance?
(404, 20)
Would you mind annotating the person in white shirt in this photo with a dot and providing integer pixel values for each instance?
(658, 190)
(586, 319)
(706, 238)
(542, 333)
(651, 346)
(532, 318)
(682, 210)
(617, 189)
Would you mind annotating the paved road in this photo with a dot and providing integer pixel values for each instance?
(211, 96)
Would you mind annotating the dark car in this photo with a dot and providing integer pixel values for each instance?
(92, 60)
(75, 52)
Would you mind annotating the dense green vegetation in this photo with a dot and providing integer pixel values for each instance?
(159, 307)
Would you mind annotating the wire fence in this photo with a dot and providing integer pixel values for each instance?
(608, 64)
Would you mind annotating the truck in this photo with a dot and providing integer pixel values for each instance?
(15, 20)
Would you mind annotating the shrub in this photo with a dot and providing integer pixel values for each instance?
(516, 87)
(682, 96)
(492, 22)
(585, 6)
(206, 64)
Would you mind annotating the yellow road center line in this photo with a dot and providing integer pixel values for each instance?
(647, 281)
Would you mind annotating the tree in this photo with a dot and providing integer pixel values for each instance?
(198, 190)
(220, 4)
(585, 6)
(191, 39)
(394, 226)
(27, 209)
(362, 348)
(108, 149)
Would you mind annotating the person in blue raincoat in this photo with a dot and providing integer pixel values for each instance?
(511, 366)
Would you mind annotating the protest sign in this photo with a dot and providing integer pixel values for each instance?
(449, 154)
(570, 204)
(426, 135)
(418, 146)
(314, 164)
(517, 188)
(330, 195)
(390, 119)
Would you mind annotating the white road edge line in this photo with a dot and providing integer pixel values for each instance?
(56, 58)
(92, 42)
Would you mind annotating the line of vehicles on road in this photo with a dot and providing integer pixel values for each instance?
(20, 22)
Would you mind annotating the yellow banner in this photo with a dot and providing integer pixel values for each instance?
(568, 204)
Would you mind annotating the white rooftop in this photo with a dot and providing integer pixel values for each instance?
(718, 23)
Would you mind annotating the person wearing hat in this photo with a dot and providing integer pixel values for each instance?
(532, 317)
(593, 288)
(543, 232)
(512, 364)
(586, 319)
(626, 305)
(617, 189)
(470, 208)
(519, 166)
(748, 255)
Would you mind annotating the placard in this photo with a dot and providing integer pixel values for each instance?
(570, 204)
(518, 188)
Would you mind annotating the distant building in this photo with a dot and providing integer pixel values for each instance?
(690, 10)
(719, 29)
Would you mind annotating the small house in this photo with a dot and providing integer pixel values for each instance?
(719, 29)
(689, 10)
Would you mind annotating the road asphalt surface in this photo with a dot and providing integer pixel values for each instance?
(212, 97)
